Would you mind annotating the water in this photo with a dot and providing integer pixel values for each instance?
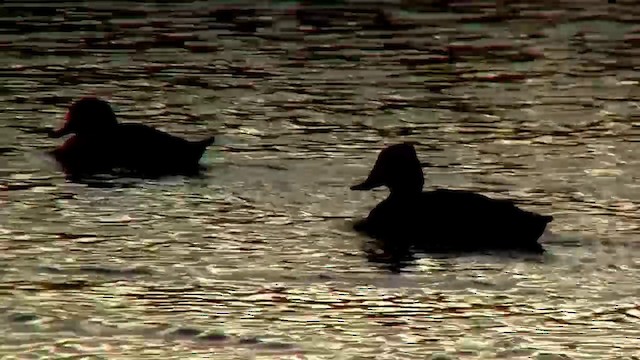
(256, 259)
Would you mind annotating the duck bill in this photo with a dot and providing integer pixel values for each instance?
(375, 179)
(368, 184)
(60, 132)
(64, 130)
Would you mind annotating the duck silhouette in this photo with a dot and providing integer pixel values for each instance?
(102, 145)
(442, 221)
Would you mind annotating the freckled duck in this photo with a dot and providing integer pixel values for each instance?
(442, 220)
(100, 144)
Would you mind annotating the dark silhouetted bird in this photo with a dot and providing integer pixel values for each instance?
(442, 220)
(102, 145)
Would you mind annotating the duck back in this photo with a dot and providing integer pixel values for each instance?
(454, 220)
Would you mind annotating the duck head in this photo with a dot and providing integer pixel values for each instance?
(87, 116)
(397, 168)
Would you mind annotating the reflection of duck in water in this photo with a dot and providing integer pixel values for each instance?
(442, 220)
(100, 144)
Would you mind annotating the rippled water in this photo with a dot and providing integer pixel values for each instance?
(256, 259)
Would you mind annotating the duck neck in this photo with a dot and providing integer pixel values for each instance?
(405, 193)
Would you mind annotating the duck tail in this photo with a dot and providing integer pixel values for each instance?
(537, 226)
(202, 145)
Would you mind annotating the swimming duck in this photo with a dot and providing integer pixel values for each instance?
(100, 144)
(442, 220)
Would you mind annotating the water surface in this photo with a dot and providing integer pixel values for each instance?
(256, 259)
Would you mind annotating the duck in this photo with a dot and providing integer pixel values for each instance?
(442, 220)
(100, 144)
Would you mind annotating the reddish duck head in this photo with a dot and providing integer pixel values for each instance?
(87, 116)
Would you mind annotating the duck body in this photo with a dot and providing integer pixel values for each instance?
(454, 221)
(127, 147)
(442, 220)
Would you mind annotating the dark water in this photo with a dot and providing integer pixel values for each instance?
(256, 259)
